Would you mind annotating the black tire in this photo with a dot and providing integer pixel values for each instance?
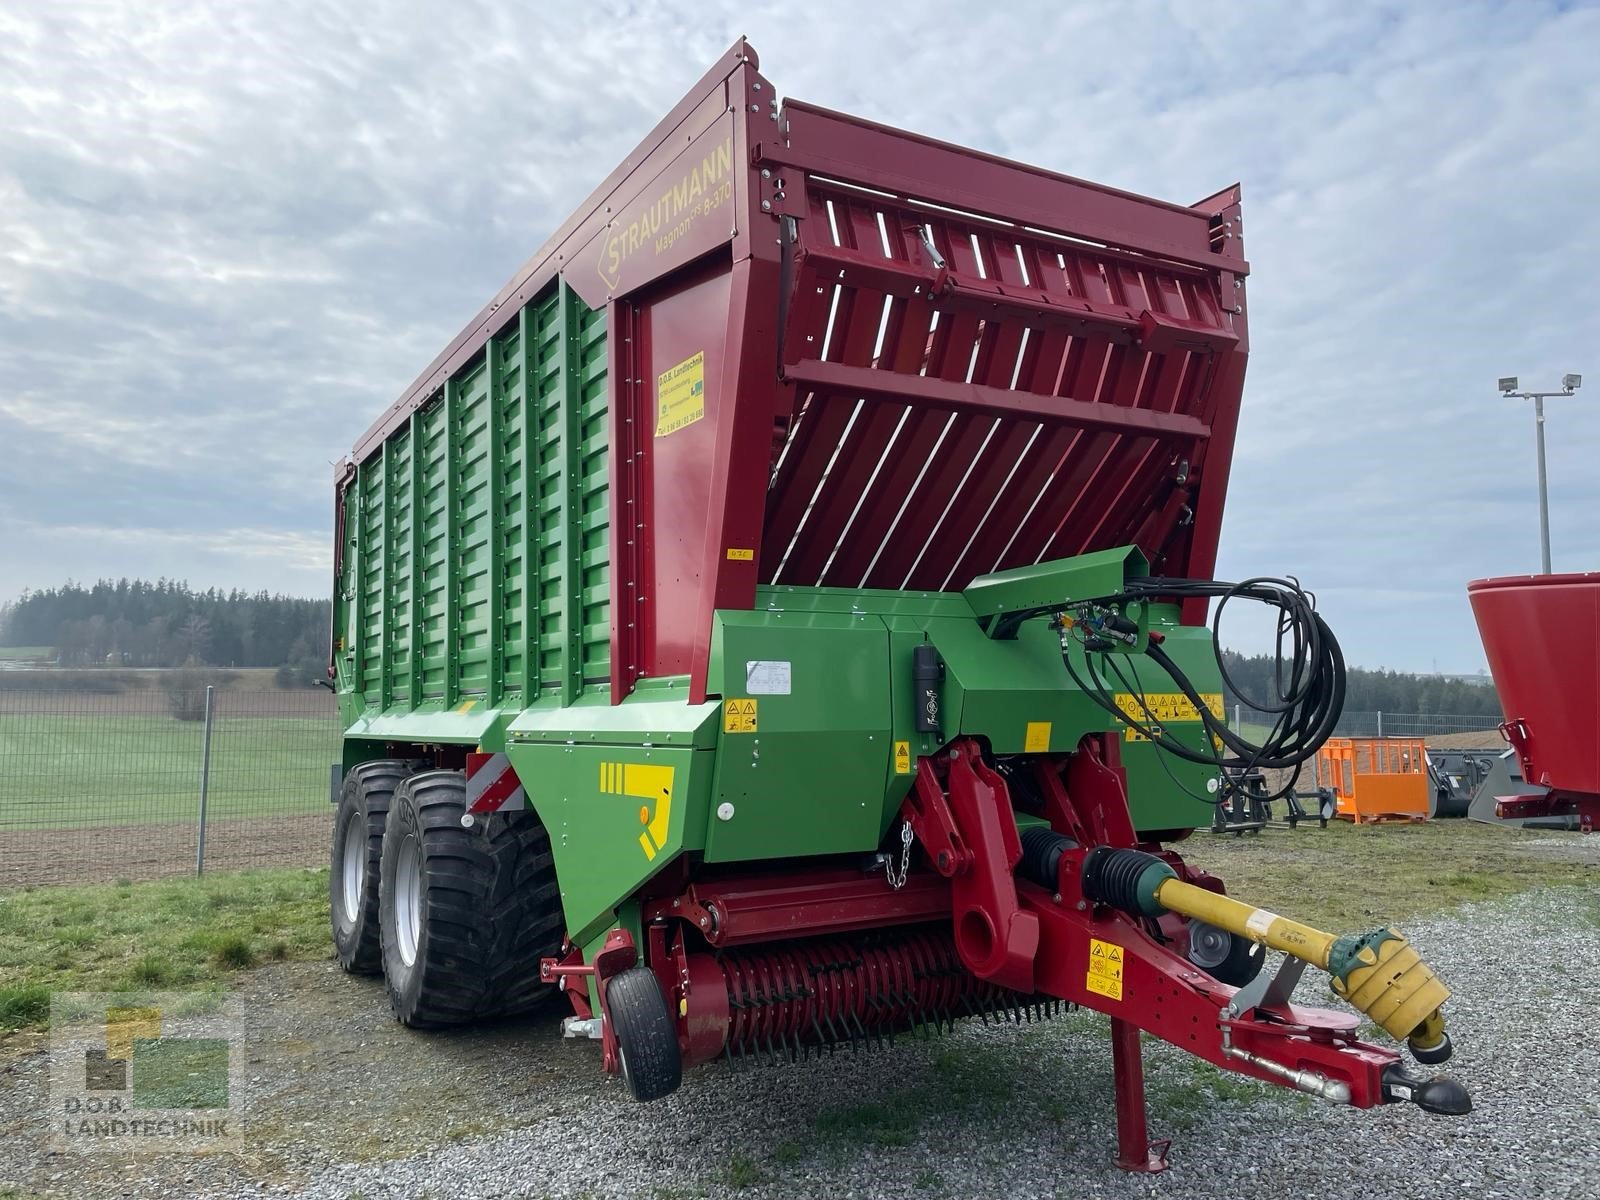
(363, 803)
(647, 1036)
(1224, 956)
(1434, 1055)
(487, 907)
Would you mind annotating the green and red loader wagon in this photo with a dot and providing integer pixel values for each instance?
(777, 623)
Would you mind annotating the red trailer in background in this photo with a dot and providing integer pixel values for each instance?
(1542, 637)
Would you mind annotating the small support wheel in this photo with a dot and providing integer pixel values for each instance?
(1224, 956)
(1432, 1056)
(647, 1036)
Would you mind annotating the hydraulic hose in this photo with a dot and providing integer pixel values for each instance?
(1309, 675)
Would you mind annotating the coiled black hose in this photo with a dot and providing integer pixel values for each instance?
(1309, 679)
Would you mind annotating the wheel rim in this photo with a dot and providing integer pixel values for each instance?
(354, 865)
(1208, 945)
(408, 900)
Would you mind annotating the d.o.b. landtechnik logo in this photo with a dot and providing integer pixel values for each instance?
(133, 1070)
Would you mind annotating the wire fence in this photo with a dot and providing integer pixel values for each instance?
(1423, 725)
(1467, 726)
(107, 784)
(1439, 731)
(102, 772)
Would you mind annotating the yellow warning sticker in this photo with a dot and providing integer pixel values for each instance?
(681, 395)
(1105, 969)
(1037, 738)
(738, 716)
(902, 758)
(1167, 706)
(1164, 707)
(735, 555)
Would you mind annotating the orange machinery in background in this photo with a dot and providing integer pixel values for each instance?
(1376, 778)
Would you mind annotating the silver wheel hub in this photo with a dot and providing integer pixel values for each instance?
(408, 900)
(353, 866)
(1208, 945)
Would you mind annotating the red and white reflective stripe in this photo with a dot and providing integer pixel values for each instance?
(492, 786)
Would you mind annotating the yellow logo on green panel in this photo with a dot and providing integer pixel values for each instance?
(643, 781)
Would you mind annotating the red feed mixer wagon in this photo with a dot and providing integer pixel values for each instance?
(777, 624)
(1541, 634)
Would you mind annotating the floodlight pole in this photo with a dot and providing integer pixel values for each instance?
(1544, 490)
(1508, 389)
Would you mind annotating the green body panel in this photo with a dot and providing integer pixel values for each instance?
(1086, 577)
(473, 578)
(810, 776)
(655, 715)
(997, 689)
(621, 798)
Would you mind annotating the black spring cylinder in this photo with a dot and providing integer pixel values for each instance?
(1111, 876)
(1041, 855)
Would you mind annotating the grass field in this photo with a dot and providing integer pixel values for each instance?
(1348, 877)
(181, 933)
(25, 653)
(69, 770)
(195, 933)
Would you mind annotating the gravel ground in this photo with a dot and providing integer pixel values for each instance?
(334, 1089)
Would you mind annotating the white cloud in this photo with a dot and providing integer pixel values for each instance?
(230, 234)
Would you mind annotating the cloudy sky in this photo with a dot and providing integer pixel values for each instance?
(231, 233)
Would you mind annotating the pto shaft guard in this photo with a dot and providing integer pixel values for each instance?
(1379, 973)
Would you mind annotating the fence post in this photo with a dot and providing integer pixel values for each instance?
(205, 785)
(1380, 722)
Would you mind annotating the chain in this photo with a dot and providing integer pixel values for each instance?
(898, 881)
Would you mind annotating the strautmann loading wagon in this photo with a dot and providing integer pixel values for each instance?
(778, 622)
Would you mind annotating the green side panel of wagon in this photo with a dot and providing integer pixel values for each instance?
(622, 789)
(473, 579)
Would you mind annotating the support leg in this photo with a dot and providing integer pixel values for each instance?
(1135, 1150)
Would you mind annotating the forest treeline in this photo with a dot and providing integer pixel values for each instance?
(136, 623)
(1373, 691)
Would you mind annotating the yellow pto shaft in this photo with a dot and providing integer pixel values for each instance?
(1253, 924)
(1378, 973)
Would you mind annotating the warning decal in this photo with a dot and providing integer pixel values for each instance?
(1105, 969)
(738, 716)
(1037, 738)
(1167, 706)
(1164, 707)
(681, 395)
(902, 758)
(492, 786)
